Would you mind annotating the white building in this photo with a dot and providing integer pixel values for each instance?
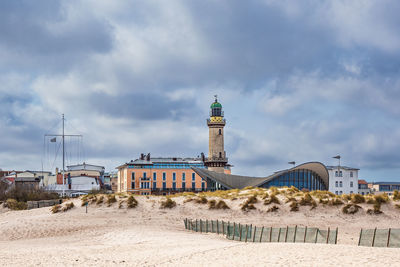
(343, 180)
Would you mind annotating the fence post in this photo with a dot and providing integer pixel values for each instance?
(295, 233)
(270, 234)
(279, 235)
(373, 239)
(247, 231)
(223, 228)
(316, 235)
(197, 228)
(206, 226)
(185, 222)
(388, 240)
(305, 234)
(359, 239)
(254, 234)
(217, 227)
(201, 226)
(240, 232)
(234, 230)
(327, 235)
(262, 230)
(287, 229)
(337, 230)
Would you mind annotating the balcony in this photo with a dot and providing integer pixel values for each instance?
(216, 159)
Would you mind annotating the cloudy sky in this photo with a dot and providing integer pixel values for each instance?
(298, 80)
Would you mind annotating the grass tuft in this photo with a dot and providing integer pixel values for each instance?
(68, 206)
(273, 209)
(357, 198)
(55, 208)
(350, 208)
(249, 203)
(100, 200)
(201, 200)
(131, 202)
(376, 210)
(294, 206)
(272, 199)
(306, 200)
(396, 195)
(168, 203)
(213, 204)
(111, 199)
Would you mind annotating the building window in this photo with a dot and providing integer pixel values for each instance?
(336, 173)
(351, 184)
(351, 192)
(154, 185)
(336, 183)
(341, 192)
(351, 174)
(193, 177)
(133, 176)
(174, 176)
(144, 175)
(174, 186)
(164, 176)
(340, 184)
(203, 186)
(183, 176)
(133, 185)
(340, 174)
(193, 185)
(220, 154)
(183, 185)
(164, 185)
(336, 192)
(154, 176)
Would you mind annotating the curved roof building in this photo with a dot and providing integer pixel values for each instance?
(311, 175)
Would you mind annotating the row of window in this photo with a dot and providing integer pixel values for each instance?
(164, 176)
(340, 174)
(146, 185)
(340, 184)
(299, 179)
(168, 166)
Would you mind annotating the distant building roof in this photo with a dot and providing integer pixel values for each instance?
(161, 160)
(362, 182)
(342, 167)
(386, 183)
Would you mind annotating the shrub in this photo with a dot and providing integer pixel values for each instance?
(248, 204)
(111, 199)
(272, 199)
(290, 199)
(350, 209)
(381, 198)
(201, 200)
(346, 197)
(55, 208)
(335, 202)
(357, 198)
(396, 195)
(306, 200)
(131, 202)
(100, 200)
(24, 194)
(274, 190)
(294, 206)
(273, 209)
(323, 201)
(120, 206)
(68, 206)
(265, 196)
(168, 204)
(222, 205)
(397, 206)
(212, 204)
(13, 204)
(376, 210)
(93, 200)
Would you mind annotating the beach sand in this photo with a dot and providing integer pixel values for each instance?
(150, 236)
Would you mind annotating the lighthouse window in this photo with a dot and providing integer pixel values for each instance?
(220, 154)
(220, 131)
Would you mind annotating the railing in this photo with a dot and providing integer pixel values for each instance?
(216, 159)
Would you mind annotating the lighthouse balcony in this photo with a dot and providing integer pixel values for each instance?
(216, 159)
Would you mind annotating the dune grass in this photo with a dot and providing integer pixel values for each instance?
(213, 204)
(68, 206)
(168, 203)
(351, 209)
(13, 204)
(111, 199)
(131, 202)
(273, 209)
(249, 203)
(357, 198)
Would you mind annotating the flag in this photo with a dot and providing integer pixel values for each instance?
(292, 162)
(337, 157)
(53, 140)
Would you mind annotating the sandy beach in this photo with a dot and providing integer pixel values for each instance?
(150, 236)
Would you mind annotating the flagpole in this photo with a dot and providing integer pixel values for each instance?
(63, 145)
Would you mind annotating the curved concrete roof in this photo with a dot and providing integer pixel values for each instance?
(237, 181)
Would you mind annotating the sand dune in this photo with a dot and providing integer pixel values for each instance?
(150, 236)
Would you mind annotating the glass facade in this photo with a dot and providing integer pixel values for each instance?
(299, 179)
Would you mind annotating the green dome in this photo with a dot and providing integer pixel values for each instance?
(216, 105)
